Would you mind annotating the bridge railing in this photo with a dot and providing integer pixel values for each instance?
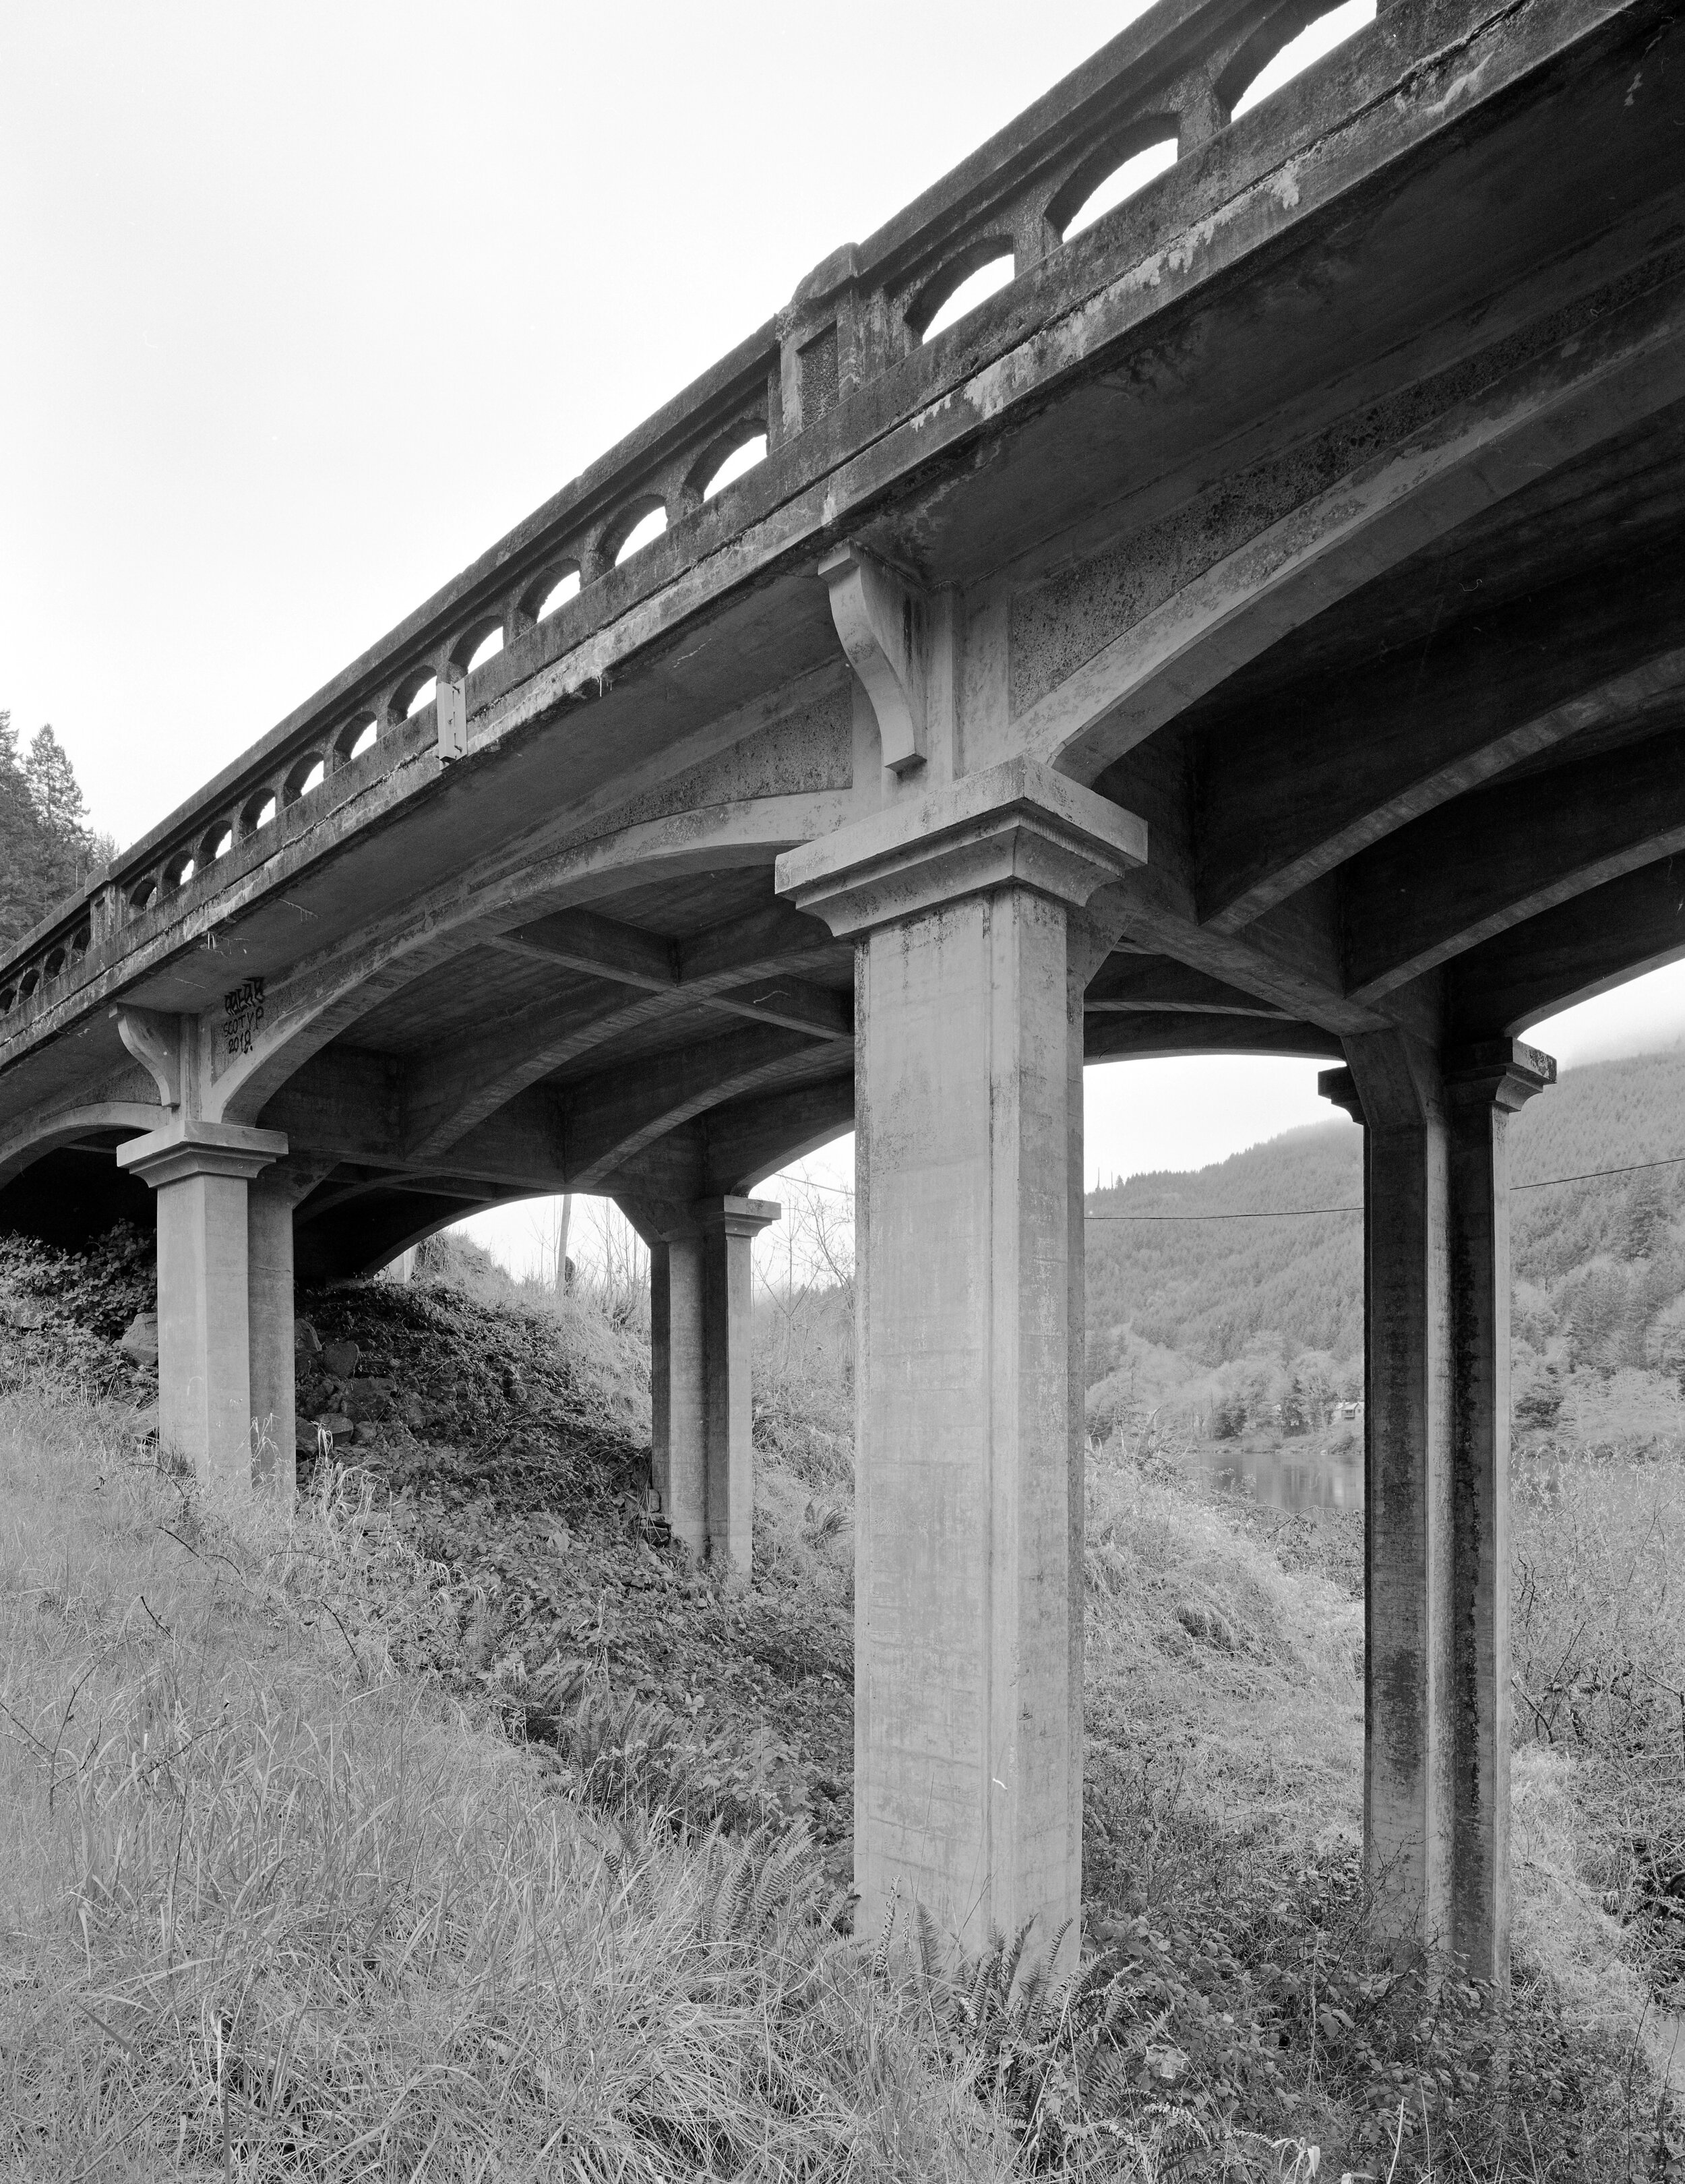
(1172, 77)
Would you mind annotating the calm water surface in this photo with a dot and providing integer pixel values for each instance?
(1306, 1475)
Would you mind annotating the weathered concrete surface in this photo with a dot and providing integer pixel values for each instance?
(200, 1174)
(968, 1500)
(729, 1228)
(1437, 1485)
(1317, 515)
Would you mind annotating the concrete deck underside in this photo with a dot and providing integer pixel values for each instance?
(1258, 628)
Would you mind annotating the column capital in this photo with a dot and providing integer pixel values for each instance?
(185, 1147)
(1339, 1088)
(1016, 824)
(1499, 1072)
(736, 1217)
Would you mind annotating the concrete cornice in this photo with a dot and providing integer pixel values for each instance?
(1016, 824)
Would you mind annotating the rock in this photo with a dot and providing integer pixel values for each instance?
(367, 1399)
(364, 1432)
(416, 1414)
(336, 1426)
(305, 1342)
(306, 1439)
(514, 1387)
(140, 1339)
(342, 1359)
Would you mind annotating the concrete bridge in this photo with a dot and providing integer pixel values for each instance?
(1258, 627)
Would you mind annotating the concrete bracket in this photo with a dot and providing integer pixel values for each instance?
(1339, 1088)
(1499, 1072)
(884, 625)
(155, 1042)
(737, 1216)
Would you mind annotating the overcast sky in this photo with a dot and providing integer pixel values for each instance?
(305, 305)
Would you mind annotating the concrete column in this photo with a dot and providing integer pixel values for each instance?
(270, 1200)
(1484, 1087)
(969, 1506)
(200, 1173)
(729, 1228)
(678, 1449)
(1436, 1609)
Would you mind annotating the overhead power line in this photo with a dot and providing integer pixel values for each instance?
(1316, 1212)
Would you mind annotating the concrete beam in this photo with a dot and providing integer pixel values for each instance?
(611, 1119)
(1140, 1035)
(1595, 942)
(1129, 982)
(453, 1091)
(1331, 770)
(748, 1139)
(1503, 855)
(1624, 360)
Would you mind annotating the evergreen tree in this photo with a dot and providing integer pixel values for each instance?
(45, 845)
(54, 790)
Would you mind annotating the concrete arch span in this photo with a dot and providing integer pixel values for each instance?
(325, 998)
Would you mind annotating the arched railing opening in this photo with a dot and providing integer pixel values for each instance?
(217, 843)
(309, 773)
(1292, 57)
(259, 812)
(963, 283)
(647, 527)
(358, 735)
(489, 646)
(721, 465)
(1124, 180)
(553, 589)
(423, 694)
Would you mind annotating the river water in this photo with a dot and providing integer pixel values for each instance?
(1305, 1474)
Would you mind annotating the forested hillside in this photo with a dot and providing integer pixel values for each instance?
(1599, 1265)
(46, 847)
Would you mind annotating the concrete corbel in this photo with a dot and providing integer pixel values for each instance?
(883, 623)
(155, 1042)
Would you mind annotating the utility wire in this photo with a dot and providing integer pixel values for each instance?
(1315, 1213)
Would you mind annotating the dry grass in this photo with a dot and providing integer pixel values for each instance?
(270, 1910)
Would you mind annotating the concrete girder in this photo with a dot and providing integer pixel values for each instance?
(610, 1120)
(1587, 946)
(41, 1134)
(1147, 1033)
(1501, 855)
(1127, 982)
(1596, 378)
(327, 993)
(751, 1138)
(1433, 726)
(450, 1093)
